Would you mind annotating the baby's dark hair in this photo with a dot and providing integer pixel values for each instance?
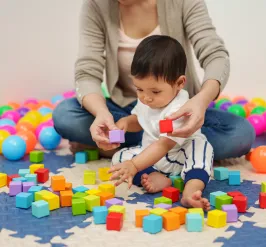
(160, 56)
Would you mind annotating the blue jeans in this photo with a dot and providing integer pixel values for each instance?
(230, 136)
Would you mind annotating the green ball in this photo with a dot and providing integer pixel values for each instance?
(4, 108)
(258, 110)
(237, 110)
(220, 102)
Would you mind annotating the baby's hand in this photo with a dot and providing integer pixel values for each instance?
(123, 171)
(122, 124)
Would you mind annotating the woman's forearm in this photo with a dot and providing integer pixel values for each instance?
(94, 103)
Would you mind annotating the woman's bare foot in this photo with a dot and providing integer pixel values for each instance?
(155, 182)
(195, 201)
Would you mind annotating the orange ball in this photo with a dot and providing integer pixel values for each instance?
(46, 103)
(14, 105)
(223, 97)
(258, 159)
(32, 106)
(25, 126)
(238, 98)
(249, 107)
(29, 138)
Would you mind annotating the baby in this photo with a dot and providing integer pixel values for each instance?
(158, 73)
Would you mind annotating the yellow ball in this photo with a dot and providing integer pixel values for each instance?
(259, 101)
(32, 121)
(35, 115)
(3, 135)
(47, 117)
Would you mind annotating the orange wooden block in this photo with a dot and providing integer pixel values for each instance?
(182, 213)
(139, 214)
(105, 196)
(58, 183)
(68, 186)
(66, 198)
(171, 221)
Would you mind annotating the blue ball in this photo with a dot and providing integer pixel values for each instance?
(45, 110)
(49, 138)
(57, 98)
(7, 121)
(14, 147)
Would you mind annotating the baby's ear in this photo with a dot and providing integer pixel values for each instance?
(181, 81)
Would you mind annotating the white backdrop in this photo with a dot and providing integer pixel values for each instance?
(38, 46)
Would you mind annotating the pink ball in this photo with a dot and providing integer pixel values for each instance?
(41, 126)
(258, 122)
(31, 101)
(50, 121)
(69, 94)
(13, 115)
(9, 128)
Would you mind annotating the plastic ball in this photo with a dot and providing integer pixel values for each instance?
(237, 110)
(47, 117)
(46, 103)
(239, 98)
(241, 102)
(211, 105)
(12, 114)
(34, 115)
(45, 110)
(14, 105)
(219, 102)
(11, 129)
(22, 111)
(258, 123)
(224, 97)
(31, 101)
(56, 99)
(7, 121)
(259, 101)
(69, 94)
(258, 110)
(224, 106)
(258, 159)
(32, 106)
(30, 140)
(14, 148)
(249, 107)
(49, 138)
(32, 121)
(41, 126)
(4, 108)
(25, 126)
(3, 135)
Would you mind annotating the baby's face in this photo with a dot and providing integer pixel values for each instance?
(155, 93)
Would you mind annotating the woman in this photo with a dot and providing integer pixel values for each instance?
(110, 30)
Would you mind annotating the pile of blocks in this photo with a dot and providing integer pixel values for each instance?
(223, 173)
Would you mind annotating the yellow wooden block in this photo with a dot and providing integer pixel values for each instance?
(35, 167)
(107, 188)
(216, 218)
(3, 179)
(93, 192)
(89, 177)
(197, 211)
(103, 173)
(53, 201)
(39, 195)
(158, 211)
(118, 209)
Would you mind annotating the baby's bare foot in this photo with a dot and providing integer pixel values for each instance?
(155, 182)
(195, 201)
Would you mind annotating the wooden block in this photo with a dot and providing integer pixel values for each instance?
(114, 221)
(234, 178)
(222, 200)
(91, 202)
(262, 200)
(58, 183)
(182, 213)
(35, 167)
(171, 193)
(221, 173)
(53, 201)
(10, 178)
(107, 188)
(158, 211)
(93, 192)
(68, 186)
(197, 211)
(89, 177)
(3, 179)
(42, 175)
(171, 221)
(166, 126)
(216, 218)
(241, 203)
(234, 193)
(103, 173)
(139, 214)
(66, 198)
(105, 196)
(118, 209)
(194, 222)
(162, 199)
(263, 187)
(36, 156)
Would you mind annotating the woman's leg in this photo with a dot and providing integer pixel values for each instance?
(231, 136)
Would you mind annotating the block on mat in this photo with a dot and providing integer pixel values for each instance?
(103, 173)
(166, 126)
(36, 156)
(26, 186)
(89, 177)
(263, 187)
(262, 200)
(234, 178)
(100, 214)
(139, 215)
(231, 212)
(241, 203)
(42, 175)
(35, 167)
(78, 195)
(91, 202)
(93, 192)
(66, 198)
(152, 223)
(53, 201)
(34, 189)
(221, 200)
(216, 218)
(23, 172)
(221, 173)
(104, 196)
(117, 136)
(194, 222)
(40, 209)
(68, 186)
(10, 178)
(20, 179)
(181, 212)
(15, 188)
(79, 189)
(163, 206)
(78, 207)
(213, 196)
(162, 199)
(197, 211)
(24, 200)
(113, 201)
(81, 157)
(171, 221)
(3, 179)
(58, 183)
(158, 211)
(93, 154)
(118, 209)
(107, 188)
(179, 184)
(31, 178)
(54, 192)
(39, 194)
(114, 221)
(173, 178)
(171, 193)
(234, 193)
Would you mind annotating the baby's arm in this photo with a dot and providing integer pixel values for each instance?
(129, 123)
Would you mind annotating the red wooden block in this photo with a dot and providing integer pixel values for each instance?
(114, 221)
(42, 175)
(10, 177)
(234, 193)
(241, 203)
(262, 200)
(171, 193)
(166, 126)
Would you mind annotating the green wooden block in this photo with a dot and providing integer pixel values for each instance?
(36, 156)
(78, 206)
(222, 200)
(173, 178)
(158, 211)
(263, 187)
(91, 202)
(162, 199)
(79, 195)
(179, 184)
(93, 154)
